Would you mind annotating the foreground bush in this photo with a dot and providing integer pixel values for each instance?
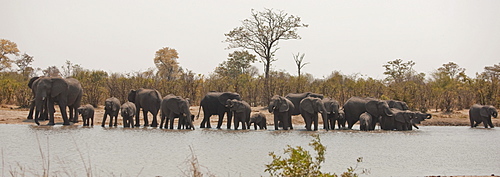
(300, 162)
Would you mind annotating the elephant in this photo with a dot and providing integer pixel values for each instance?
(295, 98)
(66, 92)
(214, 103)
(401, 105)
(128, 110)
(258, 119)
(147, 99)
(241, 110)
(87, 112)
(111, 108)
(43, 115)
(309, 109)
(482, 113)
(176, 107)
(419, 117)
(400, 120)
(365, 120)
(282, 109)
(333, 114)
(355, 106)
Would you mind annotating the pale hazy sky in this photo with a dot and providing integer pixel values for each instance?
(349, 36)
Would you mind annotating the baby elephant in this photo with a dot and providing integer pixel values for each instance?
(128, 113)
(258, 119)
(111, 108)
(365, 120)
(87, 112)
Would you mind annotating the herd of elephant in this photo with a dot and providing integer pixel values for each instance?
(389, 114)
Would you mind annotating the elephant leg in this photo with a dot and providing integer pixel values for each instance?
(162, 120)
(116, 120)
(32, 108)
(221, 118)
(308, 121)
(206, 119)
(146, 120)
(490, 123)
(471, 123)
(137, 121)
(125, 122)
(104, 119)
(236, 123)
(64, 114)
(289, 120)
(315, 120)
(110, 120)
(180, 124)
(155, 121)
(229, 119)
(255, 126)
(276, 121)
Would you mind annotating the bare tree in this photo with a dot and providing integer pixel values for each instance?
(262, 32)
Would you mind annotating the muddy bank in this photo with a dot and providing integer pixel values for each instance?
(13, 115)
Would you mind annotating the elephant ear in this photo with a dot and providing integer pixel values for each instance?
(372, 107)
(401, 117)
(131, 95)
(59, 85)
(484, 112)
(307, 105)
(223, 98)
(283, 107)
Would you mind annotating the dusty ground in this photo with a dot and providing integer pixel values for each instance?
(13, 115)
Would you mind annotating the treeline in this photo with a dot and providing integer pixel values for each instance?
(447, 89)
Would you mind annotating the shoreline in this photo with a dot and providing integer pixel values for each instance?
(10, 114)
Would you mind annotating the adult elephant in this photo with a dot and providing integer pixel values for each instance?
(296, 98)
(175, 107)
(66, 92)
(309, 108)
(333, 114)
(282, 109)
(111, 109)
(355, 106)
(147, 99)
(241, 110)
(214, 103)
(43, 115)
(401, 105)
(482, 113)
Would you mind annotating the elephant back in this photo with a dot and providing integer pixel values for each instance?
(296, 98)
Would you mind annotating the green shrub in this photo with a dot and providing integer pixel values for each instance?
(300, 163)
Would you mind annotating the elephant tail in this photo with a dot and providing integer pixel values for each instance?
(199, 110)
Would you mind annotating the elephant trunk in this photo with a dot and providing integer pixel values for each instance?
(428, 116)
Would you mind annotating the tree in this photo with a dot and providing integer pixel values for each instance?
(52, 71)
(7, 48)
(239, 62)
(448, 86)
(24, 65)
(262, 32)
(166, 63)
(299, 61)
(399, 71)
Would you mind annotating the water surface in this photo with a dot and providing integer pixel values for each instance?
(70, 150)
